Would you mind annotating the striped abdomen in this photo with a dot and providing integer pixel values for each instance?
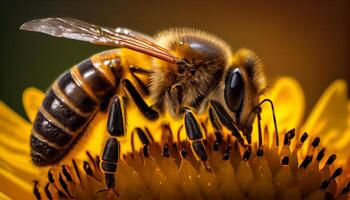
(67, 109)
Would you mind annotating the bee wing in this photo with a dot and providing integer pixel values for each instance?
(79, 30)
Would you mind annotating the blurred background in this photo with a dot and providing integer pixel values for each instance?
(309, 40)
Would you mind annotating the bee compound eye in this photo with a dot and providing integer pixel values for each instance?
(234, 89)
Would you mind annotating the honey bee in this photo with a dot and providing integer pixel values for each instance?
(190, 72)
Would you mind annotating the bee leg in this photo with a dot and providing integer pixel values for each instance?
(139, 70)
(146, 110)
(105, 102)
(173, 97)
(194, 132)
(216, 125)
(111, 150)
(142, 85)
(143, 137)
(226, 120)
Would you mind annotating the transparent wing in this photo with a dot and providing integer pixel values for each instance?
(79, 30)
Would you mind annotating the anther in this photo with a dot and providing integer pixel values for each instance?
(36, 190)
(260, 152)
(320, 154)
(285, 160)
(66, 173)
(346, 189)
(218, 136)
(331, 159)
(166, 152)
(216, 146)
(227, 153)
(247, 153)
(306, 162)
(98, 161)
(304, 137)
(50, 177)
(184, 153)
(336, 173)
(145, 151)
(88, 169)
(91, 158)
(316, 142)
(76, 169)
(47, 192)
(64, 185)
(324, 184)
(288, 136)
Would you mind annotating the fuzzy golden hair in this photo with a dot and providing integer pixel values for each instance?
(206, 58)
(252, 64)
(169, 37)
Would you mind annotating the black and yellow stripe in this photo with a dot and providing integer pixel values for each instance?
(68, 107)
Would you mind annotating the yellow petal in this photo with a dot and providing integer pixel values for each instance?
(32, 98)
(14, 186)
(329, 117)
(12, 123)
(14, 148)
(4, 197)
(288, 98)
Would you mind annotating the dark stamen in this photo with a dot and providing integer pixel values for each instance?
(76, 169)
(260, 152)
(184, 153)
(66, 174)
(289, 136)
(216, 146)
(331, 159)
(285, 160)
(320, 154)
(304, 137)
(145, 151)
(64, 185)
(98, 162)
(247, 153)
(306, 162)
(336, 173)
(346, 189)
(227, 152)
(36, 190)
(324, 185)
(316, 142)
(88, 169)
(166, 152)
(218, 136)
(91, 158)
(47, 192)
(50, 177)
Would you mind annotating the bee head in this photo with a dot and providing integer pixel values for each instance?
(234, 90)
(244, 83)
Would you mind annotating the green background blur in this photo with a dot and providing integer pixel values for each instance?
(307, 40)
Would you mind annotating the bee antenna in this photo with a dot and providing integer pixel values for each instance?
(273, 115)
(258, 111)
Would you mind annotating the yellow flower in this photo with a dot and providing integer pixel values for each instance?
(292, 170)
